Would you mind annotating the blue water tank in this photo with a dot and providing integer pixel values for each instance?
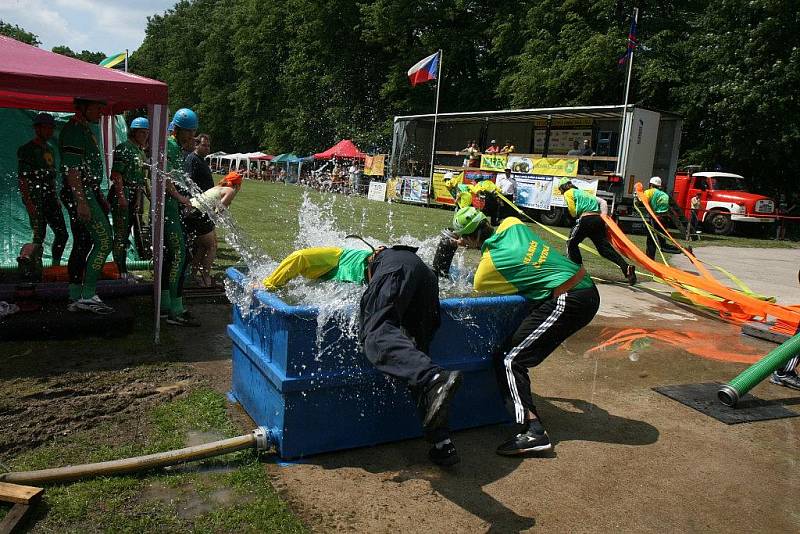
(323, 396)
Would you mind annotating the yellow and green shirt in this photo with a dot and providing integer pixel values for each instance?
(326, 263)
(580, 202)
(129, 162)
(658, 200)
(37, 165)
(80, 150)
(517, 261)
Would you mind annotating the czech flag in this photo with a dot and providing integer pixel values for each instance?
(425, 70)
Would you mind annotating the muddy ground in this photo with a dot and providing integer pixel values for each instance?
(626, 458)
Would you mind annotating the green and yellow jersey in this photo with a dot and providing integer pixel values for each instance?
(658, 200)
(580, 202)
(36, 163)
(517, 261)
(129, 162)
(80, 150)
(326, 263)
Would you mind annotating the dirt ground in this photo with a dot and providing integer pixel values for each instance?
(626, 458)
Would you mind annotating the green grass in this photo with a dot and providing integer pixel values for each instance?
(128, 504)
(267, 214)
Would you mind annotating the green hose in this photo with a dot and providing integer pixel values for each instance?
(133, 265)
(730, 393)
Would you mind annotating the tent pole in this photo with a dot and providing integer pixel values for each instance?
(622, 162)
(158, 122)
(436, 111)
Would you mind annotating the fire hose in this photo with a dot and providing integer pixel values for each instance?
(258, 439)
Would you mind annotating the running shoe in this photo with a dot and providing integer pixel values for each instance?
(630, 274)
(529, 441)
(184, 319)
(788, 380)
(93, 305)
(444, 456)
(437, 398)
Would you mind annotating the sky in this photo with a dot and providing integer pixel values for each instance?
(108, 26)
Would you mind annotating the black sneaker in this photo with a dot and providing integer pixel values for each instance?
(788, 380)
(437, 398)
(183, 319)
(446, 456)
(630, 274)
(528, 441)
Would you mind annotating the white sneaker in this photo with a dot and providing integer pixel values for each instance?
(94, 305)
(130, 277)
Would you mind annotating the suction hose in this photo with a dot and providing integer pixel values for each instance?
(258, 438)
(730, 393)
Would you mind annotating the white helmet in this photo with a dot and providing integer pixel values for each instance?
(656, 181)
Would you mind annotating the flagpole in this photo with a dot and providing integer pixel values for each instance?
(622, 166)
(436, 112)
(126, 60)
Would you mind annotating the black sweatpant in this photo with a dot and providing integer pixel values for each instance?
(662, 243)
(548, 325)
(593, 227)
(399, 316)
(81, 239)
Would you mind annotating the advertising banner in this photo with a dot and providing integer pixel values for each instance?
(494, 162)
(561, 140)
(441, 195)
(555, 167)
(472, 177)
(393, 186)
(534, 191)
(415, 189)
(590, 186)
(374, 165)
(520, 164)
(377, 191)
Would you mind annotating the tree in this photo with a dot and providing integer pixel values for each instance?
(83, 55)
(15, 32)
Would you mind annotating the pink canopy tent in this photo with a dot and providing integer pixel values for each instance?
(343, 149)
(32, 78)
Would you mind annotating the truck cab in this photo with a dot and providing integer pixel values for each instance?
(724, 200)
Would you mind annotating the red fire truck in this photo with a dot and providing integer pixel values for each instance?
(724, 200)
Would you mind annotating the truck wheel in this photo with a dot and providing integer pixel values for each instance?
(719, 223)
(552, 217)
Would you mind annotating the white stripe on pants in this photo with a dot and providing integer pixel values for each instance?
(519, 409)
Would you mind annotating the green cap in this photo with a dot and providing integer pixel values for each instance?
(466, 220)
(562, 182)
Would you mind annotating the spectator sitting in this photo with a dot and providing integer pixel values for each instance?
(586, 167)
(508, 148)
(493, 148)
(576, 151)
(472, 155)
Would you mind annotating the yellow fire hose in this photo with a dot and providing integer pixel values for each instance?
(258, 438)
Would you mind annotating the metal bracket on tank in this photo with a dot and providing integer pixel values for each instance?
(262, 438)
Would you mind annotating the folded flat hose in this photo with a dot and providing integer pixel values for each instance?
(258, 438)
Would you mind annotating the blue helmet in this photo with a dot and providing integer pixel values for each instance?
(185, 118)
(140, 123)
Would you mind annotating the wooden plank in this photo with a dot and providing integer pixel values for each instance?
(17, 493)
(762, 331)
(14, 517)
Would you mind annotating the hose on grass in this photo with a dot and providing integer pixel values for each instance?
(258, 438)
(730, 393)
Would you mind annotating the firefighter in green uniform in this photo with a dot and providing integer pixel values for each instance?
(82, 161)
(325, 263)
(128, 180)
(586, 209)
(37, 185)
(659, 202)
(514, 260)
(182, 138)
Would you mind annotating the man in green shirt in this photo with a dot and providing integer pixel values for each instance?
(514, 260)
(586, 209)
(37, 185)
(173, 271)
(82, 161)
(659, 202)
(128, 176)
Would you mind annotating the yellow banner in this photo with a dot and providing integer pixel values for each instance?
(555, 167)
(393, 188)
(442, 195)
(494, 162)
(374, 165)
